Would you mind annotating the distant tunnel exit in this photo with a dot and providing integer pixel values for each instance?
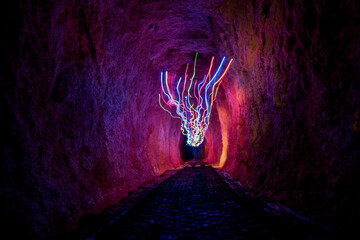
(188, 152)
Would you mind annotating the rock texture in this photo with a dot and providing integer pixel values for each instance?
(81, 120)
(294, 100)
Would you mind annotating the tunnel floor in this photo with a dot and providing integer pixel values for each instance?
(196, 203)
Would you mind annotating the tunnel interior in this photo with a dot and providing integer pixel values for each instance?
(82, 126)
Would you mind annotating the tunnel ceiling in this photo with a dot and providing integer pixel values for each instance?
(82, 124)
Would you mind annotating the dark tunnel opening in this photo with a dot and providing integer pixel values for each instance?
(189, 153)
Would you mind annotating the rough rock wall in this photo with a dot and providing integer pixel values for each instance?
(293, 101)
(80, 95)
(80, 84)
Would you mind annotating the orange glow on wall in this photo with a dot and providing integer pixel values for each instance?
(225, 122)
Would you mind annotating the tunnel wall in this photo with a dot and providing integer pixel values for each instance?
(79, 89)
(291, 111)
(83, 125)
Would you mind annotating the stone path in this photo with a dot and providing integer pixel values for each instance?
(196, 203)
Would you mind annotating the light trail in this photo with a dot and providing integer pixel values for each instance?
(194, 109)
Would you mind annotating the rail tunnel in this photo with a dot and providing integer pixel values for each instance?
(82, 128)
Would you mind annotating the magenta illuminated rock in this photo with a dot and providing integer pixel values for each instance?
(82, 124)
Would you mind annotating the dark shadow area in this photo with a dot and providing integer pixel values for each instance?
(196, 203)
(188, 153)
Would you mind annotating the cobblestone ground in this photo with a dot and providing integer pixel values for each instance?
(196, 203)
